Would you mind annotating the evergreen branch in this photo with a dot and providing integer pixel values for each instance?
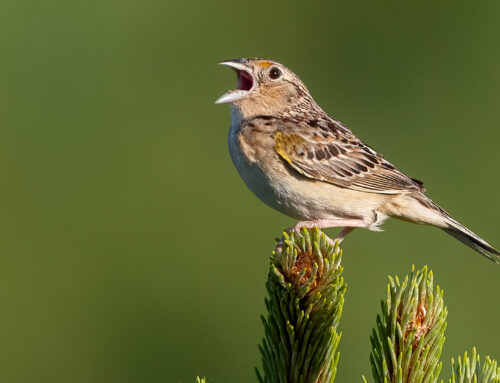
(473, 371)
(407, 343)
(306, 296)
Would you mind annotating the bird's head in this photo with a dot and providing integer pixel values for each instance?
(264, 87)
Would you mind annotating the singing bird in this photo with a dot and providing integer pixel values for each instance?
(303, 163)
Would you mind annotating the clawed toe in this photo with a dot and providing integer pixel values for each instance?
(309, 225)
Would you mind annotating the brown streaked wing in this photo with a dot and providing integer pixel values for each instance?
(340, 158)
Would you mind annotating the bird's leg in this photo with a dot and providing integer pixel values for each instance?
(340, 237)
(327, 223)
(348, 224)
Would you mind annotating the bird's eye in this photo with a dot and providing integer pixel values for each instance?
(275, 73)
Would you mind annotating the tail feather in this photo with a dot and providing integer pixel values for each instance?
(472, 240)
(435, 215)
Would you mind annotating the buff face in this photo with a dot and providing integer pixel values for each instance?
(263, 86)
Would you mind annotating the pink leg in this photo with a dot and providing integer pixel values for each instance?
(326, 223)
(340, 237)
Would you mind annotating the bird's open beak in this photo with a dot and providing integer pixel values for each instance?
(246, 82)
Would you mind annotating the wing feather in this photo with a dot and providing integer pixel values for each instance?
(332, 153)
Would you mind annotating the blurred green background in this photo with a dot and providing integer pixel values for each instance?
(130, 250)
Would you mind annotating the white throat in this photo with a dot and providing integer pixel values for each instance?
(236, 115)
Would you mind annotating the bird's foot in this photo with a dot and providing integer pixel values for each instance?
(348, 224)
(327, 223)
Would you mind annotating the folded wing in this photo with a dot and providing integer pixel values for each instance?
(328, 152)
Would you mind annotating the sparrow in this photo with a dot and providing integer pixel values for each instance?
(300, 161)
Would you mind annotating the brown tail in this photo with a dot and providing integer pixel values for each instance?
(472, 240)
(454, 228)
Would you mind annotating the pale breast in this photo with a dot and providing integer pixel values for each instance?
(250, 147)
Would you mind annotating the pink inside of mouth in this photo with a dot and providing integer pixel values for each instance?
(245, 80)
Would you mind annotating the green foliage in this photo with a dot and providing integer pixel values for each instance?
(473, 371)
(306, 296)
(200, 380)
(407, 344)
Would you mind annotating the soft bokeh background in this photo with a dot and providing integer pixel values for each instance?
(130, 250)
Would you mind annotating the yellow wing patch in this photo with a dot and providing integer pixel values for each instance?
(283, 145)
